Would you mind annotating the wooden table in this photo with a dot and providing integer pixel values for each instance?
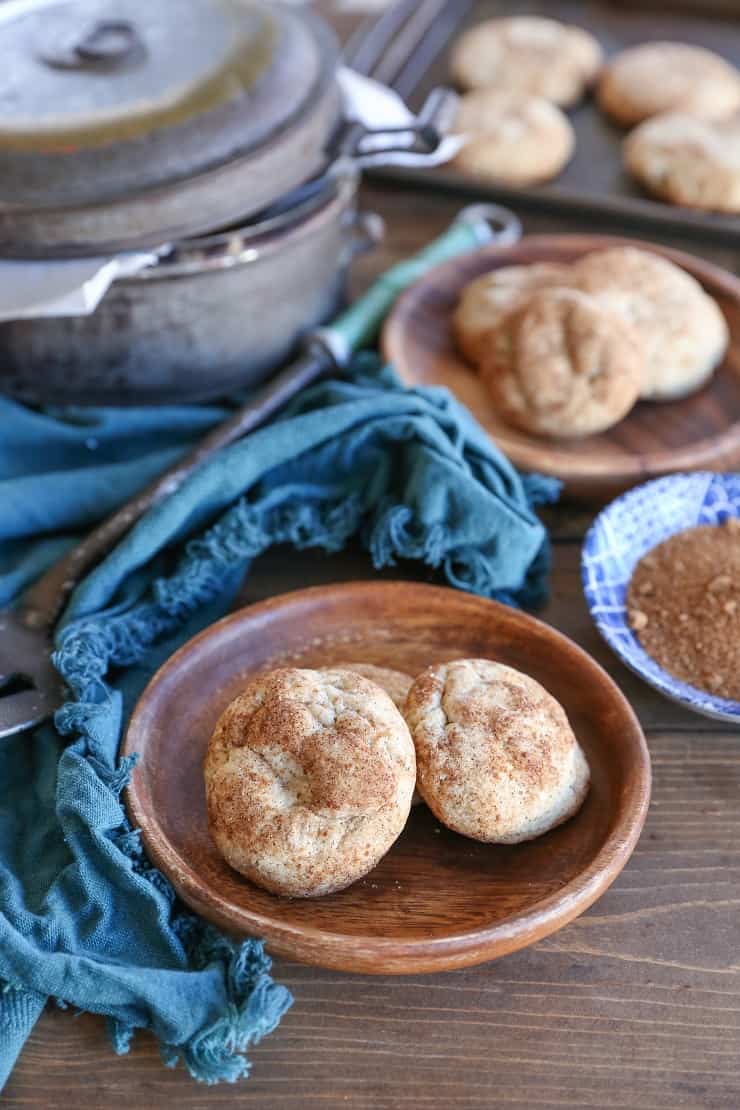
(635, 1005)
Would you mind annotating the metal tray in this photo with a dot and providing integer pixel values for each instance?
(594, 184)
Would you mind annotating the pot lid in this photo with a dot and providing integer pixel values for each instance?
(104, 100)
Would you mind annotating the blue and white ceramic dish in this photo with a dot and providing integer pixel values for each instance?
(620, 536)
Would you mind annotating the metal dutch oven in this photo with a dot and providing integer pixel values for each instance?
(214, 127)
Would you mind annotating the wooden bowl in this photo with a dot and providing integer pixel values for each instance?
(701, 432)
(437, 900)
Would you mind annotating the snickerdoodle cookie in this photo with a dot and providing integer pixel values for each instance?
(527, 54)
(512, 139)
(681, 330)
(656, 77)
(559, 364)
(395, 683)
(309, 777)
(687, 160)
(497, 759)
(484, 301)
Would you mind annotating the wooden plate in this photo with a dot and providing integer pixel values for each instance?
(701, 432)
(437, 900)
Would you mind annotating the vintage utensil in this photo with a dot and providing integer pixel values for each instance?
(230, 143)
(29, 686)
(437, 900)
(399, 45)
(145, 344)
(208, 121)
(199, 124)
(698, 432)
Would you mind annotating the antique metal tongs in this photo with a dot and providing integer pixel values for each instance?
(30, 688)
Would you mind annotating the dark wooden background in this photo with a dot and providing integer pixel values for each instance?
(634, 1005)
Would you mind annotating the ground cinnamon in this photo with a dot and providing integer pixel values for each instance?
(683, 603)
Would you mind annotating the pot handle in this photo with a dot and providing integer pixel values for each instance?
(475, 226)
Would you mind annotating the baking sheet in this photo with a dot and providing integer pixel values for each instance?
(594, 184)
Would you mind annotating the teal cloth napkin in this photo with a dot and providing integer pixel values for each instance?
(84, 918)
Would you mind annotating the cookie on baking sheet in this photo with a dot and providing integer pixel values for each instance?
(687, 160)
(395, 683)
(657, 77)
(529, 55)
(309, 776)
(496, 757)
(511, 139)
(681, 330)
(559, 364)
(484, 301)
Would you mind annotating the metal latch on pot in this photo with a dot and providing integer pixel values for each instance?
(381, 130)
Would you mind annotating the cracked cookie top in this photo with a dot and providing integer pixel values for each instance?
(681, 330)
(654, 77)
(561, 364)
(395, 683)
(497, 759)
(309, 777)
(527, 54)
(487, 299)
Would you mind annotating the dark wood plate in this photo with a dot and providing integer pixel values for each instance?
(701, 432)
(437, 900)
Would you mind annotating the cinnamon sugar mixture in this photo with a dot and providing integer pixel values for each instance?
(683, 602)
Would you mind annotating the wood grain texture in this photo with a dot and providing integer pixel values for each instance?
(436, 900)
(699, 432)
(566, 609)
(635, 1005)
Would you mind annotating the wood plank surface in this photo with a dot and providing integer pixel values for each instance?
(639, 998)
(566, 610)
(635, 1006)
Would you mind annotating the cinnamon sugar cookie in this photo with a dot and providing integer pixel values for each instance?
(484, 301)
(309, 777)
(497, 759)
(681, 330)
(512, 139)
(660, 77)
(559, 364)
(687, 160)
(528, 55)
(395, 683)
